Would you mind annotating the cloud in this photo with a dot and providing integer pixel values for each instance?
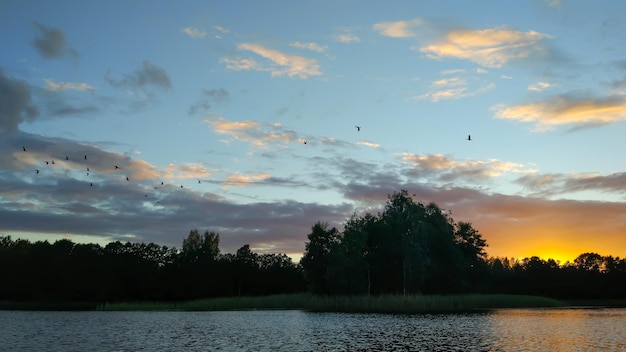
(309, 46)
(443, 168)
(280, 64)
(368, 144)
(563, 110)
(50, 43)
(187, 171)
(492, 47)
(59, 86)
(347, 38)
(194, 32)
(548, 185)
(15, 103)
(253, 132)
(220, 29)
(208, 97)
(147, 75)
(453, 88)
(245, 180)
(398, 29)
(539, 86)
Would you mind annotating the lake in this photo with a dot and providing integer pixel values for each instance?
(562, 329)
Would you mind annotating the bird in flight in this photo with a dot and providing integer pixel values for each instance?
(469, 137)
(127, 178)
(91, 184)
(24, 148)
(85, 157)
(116, 167)
(358, 128)
(67, 158)
(37, 170)
(304, 142)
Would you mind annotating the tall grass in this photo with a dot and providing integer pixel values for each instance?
(365, 304)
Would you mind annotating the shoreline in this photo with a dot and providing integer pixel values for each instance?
(348, 304)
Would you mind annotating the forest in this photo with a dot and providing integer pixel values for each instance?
(407, 248)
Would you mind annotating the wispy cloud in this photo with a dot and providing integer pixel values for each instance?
(539, 86)
(240, 180)
(309, 46)
(563, 110)
(547, 185)
(148, 75)
(491, 47)
(453, 88)
(398, 29)
(59, 86)
(253, 132)
(368, 144)
(194, 32)
(446, 169)
(280, 63)
(51, 43)
(187, 171)
(208, 97)
(347, 38)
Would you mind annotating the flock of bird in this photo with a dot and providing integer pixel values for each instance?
(88, 171)
(116, 167)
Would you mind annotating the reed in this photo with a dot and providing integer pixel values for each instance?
(362, 304)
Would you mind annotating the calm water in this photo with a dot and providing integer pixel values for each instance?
(500, 330)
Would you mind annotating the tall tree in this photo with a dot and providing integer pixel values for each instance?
(317, 256)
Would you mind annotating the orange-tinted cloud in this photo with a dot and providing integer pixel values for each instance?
(491, 47)
(280, 63)
(398, 29)
(566, 111)
(260, 135)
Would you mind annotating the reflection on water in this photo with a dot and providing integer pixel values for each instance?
(500, 330)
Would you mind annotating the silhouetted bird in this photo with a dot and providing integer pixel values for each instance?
(469, 137)
(127, 178)
(87, 169)
(161, 183)
(199, 181)
(46, 162)
(181, 186)
(37, 171)
(91, 184)
(116, 167)
(304, 142)
(358, 128)
(24, 148)
(66, 158)
(85, 157)
(52, 162)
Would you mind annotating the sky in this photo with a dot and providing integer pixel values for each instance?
(142, 120)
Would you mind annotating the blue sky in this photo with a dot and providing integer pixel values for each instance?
(220, 98)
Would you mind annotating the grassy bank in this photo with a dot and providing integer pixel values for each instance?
(365, 304)
(47, 305)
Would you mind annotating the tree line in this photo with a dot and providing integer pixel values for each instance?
(68, 271)
(407, 248)
(416, 248)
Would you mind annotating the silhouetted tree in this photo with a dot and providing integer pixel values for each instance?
(317, 256)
